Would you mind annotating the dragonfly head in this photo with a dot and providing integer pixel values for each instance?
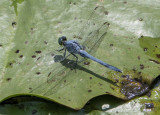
(61, 40)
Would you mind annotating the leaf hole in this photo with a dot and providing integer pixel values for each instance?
(33, 56)
(14, 24)
(17, 51)
(38, 52)
(38, 73)
(8, 79)
(21, 56)
(89, 90)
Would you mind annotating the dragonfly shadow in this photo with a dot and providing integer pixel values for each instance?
(72, 64)
(58, 58)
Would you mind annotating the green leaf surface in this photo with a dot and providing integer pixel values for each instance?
(28, 38)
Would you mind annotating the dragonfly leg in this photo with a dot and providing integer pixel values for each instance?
(66, 56)
(60, 49)
(76, 60)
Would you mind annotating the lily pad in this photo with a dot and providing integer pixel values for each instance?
(34, 32)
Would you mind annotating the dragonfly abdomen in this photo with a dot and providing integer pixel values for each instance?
(85, 54)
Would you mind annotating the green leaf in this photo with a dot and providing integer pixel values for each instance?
(28, 38)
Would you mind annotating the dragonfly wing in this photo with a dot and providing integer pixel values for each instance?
(94, 30)
(54, 78)
(62, 77)
(93, 19)
(93, 41)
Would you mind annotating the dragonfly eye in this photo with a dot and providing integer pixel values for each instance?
(61, 40)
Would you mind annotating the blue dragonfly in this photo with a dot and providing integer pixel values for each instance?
(73, 47)
(80, 52)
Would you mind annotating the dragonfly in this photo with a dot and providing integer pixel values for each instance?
(73, 47)
(78, 52)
